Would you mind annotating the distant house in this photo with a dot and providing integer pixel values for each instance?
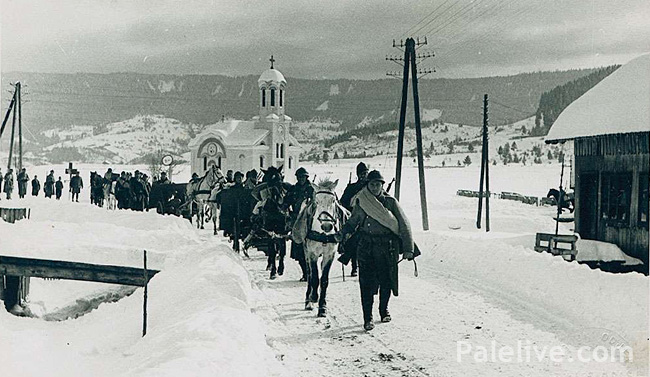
(610, 128)
(265, 140)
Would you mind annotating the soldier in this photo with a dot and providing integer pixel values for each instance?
(36, 186)
(22, 179)
(300, 193)
(59, 188)
(76, 184)
(163, 179)
(9, 183)
(346, 201)
(229, 176)
(48, 188)
(251, 179)
(384, 233)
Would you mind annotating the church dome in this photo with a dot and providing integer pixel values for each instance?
(272, 75)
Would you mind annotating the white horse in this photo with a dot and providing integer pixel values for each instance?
(109, 195)
(316, 226)
(200, 193)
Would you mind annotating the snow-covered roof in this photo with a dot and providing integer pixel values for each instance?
(620, 103)
(271, 75)
(245, 134)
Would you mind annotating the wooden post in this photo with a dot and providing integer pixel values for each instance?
(144, 306)
(6, 118)
(418, 138)
(559, 197)
(20, 127)
(487, 186)
(13, 133)
(402, 117)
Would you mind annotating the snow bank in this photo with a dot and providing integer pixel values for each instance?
(199, 321)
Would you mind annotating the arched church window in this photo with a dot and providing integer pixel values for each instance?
(277, 150)
(282, 150)
(281, 92)
(272, 96)
(290, 162)
(261, 161)
(205, 163)
(263, 97)
(219, 162)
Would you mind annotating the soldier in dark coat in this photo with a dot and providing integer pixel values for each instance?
(76, 184)
(48, 188)
(346, 201)
(301, 192)
(236, 204)
(59, 188)
(9, 183)
(22, 179)
(251, 179)
(384, 233)
(36, 186)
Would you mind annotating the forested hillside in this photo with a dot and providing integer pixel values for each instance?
(61, 100)
(553, 102)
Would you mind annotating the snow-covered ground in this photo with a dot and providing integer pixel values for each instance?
(212, 313)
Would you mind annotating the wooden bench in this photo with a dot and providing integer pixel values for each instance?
(551, 244)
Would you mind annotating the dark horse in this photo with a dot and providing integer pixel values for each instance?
(271, 219)
(568, 199)
(96, 189)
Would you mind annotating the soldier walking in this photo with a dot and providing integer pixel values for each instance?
(59, 188)
(384, 233)
(346, 201)
(9, 183)
(36, 186)
(22, 179)
(76, 184)
(48, 188)
(300, 193)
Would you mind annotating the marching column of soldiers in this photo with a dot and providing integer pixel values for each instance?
(50, 187)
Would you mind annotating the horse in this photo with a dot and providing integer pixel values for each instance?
(270, 220)
(109, 195)
(96, 189)
(200, 192)
(568, 199)
(316, 226)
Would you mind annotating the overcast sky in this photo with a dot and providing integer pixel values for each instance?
(318, 39)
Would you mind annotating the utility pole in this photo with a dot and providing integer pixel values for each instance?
(13, 132)
(485, 166)
(409, 61)
(20, 127)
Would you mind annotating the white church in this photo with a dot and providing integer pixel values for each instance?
(265, 140)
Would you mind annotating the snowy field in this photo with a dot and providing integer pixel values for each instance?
(212, 313)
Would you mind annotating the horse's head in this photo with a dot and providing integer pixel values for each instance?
(325, 207)
(214, 177)
(273, 176)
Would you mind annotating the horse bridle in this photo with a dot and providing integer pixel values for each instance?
(326, 219)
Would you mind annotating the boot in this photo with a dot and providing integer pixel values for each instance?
(281, 267)
(368, 325)
(384, 296)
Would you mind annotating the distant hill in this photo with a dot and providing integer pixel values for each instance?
(553, 102)
(86, 99)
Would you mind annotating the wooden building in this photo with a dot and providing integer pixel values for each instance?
(610, 130)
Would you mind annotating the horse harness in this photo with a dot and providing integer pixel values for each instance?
(327, 223)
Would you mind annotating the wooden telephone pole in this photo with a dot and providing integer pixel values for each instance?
(409, 62)
(485, 169)
(15, 110)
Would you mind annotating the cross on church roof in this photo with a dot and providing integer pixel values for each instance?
(272, 60)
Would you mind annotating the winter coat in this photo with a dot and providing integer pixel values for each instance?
(9, 183)
(76, 184)
(59, 187)
(49, 184)
(36, 187)
(350, 191)
(373, 235)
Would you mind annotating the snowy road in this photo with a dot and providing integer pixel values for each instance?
(432, 313)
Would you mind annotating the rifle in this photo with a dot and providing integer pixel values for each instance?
(390, 185)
